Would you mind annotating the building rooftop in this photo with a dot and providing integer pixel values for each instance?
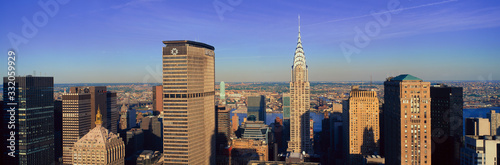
(405, 77)
(189, 42)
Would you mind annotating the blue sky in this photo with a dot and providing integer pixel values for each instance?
(120, 41)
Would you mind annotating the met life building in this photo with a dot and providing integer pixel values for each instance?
(188, 102)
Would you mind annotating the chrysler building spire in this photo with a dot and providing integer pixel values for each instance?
(299, 61)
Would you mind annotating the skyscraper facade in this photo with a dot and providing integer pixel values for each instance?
(480, 150)
(76, 121)
(447, 126)
(299, 103)
(112, 112)
(222, 92)
(34, 120)
(256, 108)
(157, 99)
(407, 115)
(361, 120)
(189, 101)
(58, 130)
(494, 122)
(98, 100)
(223, 127)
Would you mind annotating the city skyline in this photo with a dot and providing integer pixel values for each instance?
(454, 40)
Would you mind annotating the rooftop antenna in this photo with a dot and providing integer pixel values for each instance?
(299, 23)
(371, 81)
(34, 73)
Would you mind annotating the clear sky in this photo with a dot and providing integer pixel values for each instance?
(120, 41)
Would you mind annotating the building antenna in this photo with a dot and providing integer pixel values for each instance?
(371, 81)
(299, 23)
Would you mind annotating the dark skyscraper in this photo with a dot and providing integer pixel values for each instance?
(447, 130)
(35, 121)
(58, 141)
(152, 128)
(257, 108)
(223, 127)
(112, 112)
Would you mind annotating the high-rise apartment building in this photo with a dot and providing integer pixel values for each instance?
(223, 127)
(477, 126)
(447, 126)
(362, 130)
(494, 122)
(76, 121)
(112, 112)
(256, 108)
(157, 99)
(299, 103)
(407, 115)
(99, 146)
(480, 150)
(189, 101)
(97, 100)
(123, 122)
(34, 121)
